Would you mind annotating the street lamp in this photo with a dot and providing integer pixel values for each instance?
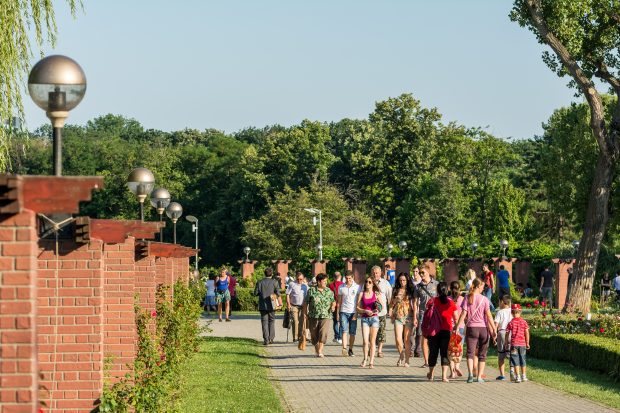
(474, 248)
(57, 84)
(504, 244)
(246, 251)
(403, 246)
(141, 182)
(194, 222)
(160, 199)
(318, 212)
(174, 212)
(575, 246)
(389, 247)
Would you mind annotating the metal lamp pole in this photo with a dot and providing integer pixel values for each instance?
(194, 222)
(315, 212)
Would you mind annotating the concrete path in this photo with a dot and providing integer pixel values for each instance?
(336, 383)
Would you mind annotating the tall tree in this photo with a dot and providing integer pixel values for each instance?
(18, 19)
(584, 37)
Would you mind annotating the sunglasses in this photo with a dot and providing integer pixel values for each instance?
(369, 282)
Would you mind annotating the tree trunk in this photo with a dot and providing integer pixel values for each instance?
(597, 215)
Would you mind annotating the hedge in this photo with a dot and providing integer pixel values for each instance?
(581, 350)
(246, 301)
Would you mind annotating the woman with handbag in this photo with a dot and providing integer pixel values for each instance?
(369, 304)
(401, 309)
(445, 311)
(480, 328)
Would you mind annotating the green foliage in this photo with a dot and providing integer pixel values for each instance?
(581, 350)
(154, 383)
(246, 300)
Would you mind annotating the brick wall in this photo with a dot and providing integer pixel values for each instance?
(70, 327)
(18, 363)
(119, 329)
(145, 282)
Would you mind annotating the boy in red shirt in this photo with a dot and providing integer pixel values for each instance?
(519, 333)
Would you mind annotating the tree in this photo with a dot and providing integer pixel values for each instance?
(584, 37)
(18, 20)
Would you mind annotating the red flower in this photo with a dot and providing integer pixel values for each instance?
(41, 410)
(579, 318)
(536, 302)
(153, 313)
(601, 330)
(544, 314)
(544, 304)
(529, 305)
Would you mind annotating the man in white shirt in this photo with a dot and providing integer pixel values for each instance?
(346, 314)
(386, 290)
(295, 295)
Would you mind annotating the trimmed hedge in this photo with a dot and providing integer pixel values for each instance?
(246, 301)
(581, 350)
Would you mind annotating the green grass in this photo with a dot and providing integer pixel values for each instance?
(564, 377)
(228, 375)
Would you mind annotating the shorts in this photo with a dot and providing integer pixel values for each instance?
(381, 333)
(222, 296)
(502, 353)
(477, 342)
(348, 325)
(318, 330)
(372, 322)
(407, 322)
(517, 356)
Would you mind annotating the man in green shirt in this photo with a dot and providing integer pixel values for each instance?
(318, 306)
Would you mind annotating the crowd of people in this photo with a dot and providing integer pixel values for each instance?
(431, 319)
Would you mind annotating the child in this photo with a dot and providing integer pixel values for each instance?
(502, 318)
(519, 342)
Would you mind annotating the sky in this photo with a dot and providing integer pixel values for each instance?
(238, 63)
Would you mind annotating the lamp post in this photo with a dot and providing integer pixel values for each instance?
(194, 222)
(57, 84)
(389, 247)
(474, 248)
(246, 251)
(141, 182)
(317, 212)
(160, 199)
(174, 212)
(575, 246)
(504, 245)
(403, 246)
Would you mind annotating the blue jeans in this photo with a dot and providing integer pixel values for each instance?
(336, 325)
(347, 324)
(488, 293)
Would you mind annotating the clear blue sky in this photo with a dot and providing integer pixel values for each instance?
(237, 63)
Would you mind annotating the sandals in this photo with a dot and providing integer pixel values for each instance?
(429, 376)
(380, 355)
(364, 362)
(371, 366)
(401, 359)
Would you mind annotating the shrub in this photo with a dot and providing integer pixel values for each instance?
(246, 301)
(581, 350)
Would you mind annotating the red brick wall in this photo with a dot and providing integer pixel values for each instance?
(18, 363)
(119, 328)
(70, 327)
(145, 283)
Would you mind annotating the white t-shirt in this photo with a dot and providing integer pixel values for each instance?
(503, 317)
(386, 291)
(348, 298)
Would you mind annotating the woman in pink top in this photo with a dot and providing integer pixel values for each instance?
(455, 295)
(479, 322)
(367, 303)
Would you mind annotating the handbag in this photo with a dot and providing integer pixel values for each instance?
(286, 320)
(275, 302)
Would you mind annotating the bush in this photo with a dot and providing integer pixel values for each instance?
(246, 301)
(581, 350)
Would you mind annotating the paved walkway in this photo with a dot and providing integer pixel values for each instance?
(337, 383)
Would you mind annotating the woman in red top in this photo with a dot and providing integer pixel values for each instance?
(440, 341)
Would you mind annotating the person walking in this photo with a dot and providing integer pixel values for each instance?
(334, 286)
(455, 295)
(503, 283)
(268, 292)
(438, 344)
(295, 296)
(222, 294)
(318, 306)
(401, 310)
(617, 286)
(518, 332)
(210, 296)
(346, 301)
(502, 318)
(605, 287)
(426, 290)
(546, 286)
(489, 284)
(369, 304)
(386, 292)
(479, 323)
(470, 276)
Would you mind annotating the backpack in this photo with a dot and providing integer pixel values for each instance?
(431, 322)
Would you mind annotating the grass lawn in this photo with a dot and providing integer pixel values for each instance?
(562, 376)
(228, 375)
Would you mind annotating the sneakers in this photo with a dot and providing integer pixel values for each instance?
(500, 378)
(339, 341)
(470, 379)
(335, 340)
(351, 353)
(518, 379)
(524, 378)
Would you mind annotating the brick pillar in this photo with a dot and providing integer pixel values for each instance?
(282, 269)
(561, 280)
(18, 360)
(348, 265)
(521, 273)
(119, 328)
(358, 267)
(247, 268)
(319, 267)
(450, 270)
(431, 266)
(403, 265)
(70, 327)
(476, 265)
(147, 271)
